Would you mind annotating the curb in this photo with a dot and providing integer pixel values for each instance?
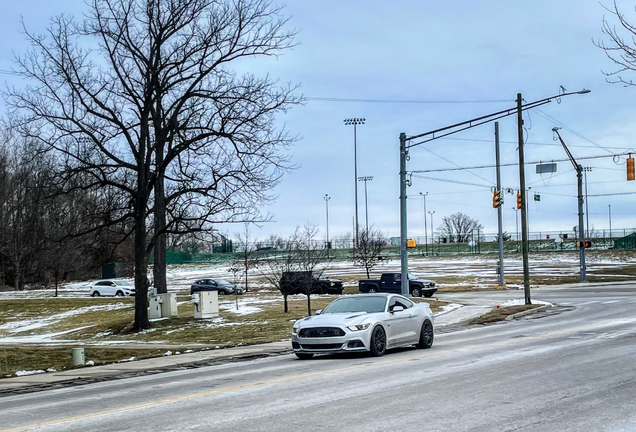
(528, 312)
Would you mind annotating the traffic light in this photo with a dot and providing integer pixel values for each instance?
(630, 168)
(586, 244)
(518, 200)
(497, 200)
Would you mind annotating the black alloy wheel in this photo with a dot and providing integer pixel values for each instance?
(373, 290)
(416, 292)
(426, 335)
(378, 342)
(304, 356)
(222, 292)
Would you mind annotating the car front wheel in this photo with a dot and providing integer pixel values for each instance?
(119, 294)
(95, 294)
(426, 335)
(378, 342)
(416, 292)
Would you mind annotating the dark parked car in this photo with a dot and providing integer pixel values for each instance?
(392, 283)
(297, 283)
(220, 285)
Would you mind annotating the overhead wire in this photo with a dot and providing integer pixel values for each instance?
(404, 101)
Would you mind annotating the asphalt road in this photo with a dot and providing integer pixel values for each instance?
(568, 371)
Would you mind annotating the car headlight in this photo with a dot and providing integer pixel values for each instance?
(295, 330)
(358, 327)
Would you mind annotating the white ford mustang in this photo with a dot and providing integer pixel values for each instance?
(364, 322)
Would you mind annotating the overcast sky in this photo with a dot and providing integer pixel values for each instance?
(455, 51)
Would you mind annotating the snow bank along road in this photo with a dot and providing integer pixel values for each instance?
(562, 372)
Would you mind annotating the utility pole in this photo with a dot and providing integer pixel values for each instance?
(579, 183)
(327, 198)
(610, 222)
(524, 204)
(502, 282)
(404, 260)
(425, 230)
(516, 226)
(587, 212)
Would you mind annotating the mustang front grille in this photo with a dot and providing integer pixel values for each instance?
(316, 332)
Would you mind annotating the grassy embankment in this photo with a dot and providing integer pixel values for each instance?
(114, 326)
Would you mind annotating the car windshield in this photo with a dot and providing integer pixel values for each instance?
(413, 277)
(122, 283)
(222, 282)
(370, 304)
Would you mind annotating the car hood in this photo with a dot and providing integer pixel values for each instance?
(428, 281)
(345, 319)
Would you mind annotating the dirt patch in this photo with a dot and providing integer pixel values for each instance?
(502, 313)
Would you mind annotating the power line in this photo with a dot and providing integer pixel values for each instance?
(509, 164)
(404, 101)
(531, 143)
(612, 194)
(549, 117)
(451, 162)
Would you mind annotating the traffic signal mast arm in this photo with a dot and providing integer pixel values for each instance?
(579, 181)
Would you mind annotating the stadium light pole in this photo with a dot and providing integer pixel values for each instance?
(355, 122)
(366, 204)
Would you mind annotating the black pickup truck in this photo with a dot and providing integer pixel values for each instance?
(392, 283)
(297, 282)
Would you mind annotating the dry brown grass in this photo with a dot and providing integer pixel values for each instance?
(500, 314)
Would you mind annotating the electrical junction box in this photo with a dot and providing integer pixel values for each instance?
(206, 304)
(168, 304)
(411, 243)
(155, 307)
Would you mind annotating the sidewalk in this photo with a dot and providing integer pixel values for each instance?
(140, 367)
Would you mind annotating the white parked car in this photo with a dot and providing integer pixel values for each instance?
(364, 322)
(112, 287)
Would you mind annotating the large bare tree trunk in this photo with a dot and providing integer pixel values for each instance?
(159, 251)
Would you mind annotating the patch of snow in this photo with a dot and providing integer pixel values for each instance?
(51, 370)
(158, 319)
(41, 338)
(521, 302)
(448, 308)
(32, 324)
(167, 353)
(127, 360)
(90, 363)
(29, 372)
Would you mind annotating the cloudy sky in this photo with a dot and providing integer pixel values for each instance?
(452, 61)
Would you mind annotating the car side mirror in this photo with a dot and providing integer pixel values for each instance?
(397, 309)
(319, 311)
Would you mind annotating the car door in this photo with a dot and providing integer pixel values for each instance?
(391, 283)
(398, 323)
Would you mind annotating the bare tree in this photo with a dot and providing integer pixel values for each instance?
(459, 227)
(244, 258)
(153, 110)
(368, 253)
(621, 47)
(295, 262)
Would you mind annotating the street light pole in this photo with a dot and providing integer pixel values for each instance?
(355, 122)
(366, 205)
(610, 222)
(425, 230)
(327, 198)
(406, 143)
(432, 226)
